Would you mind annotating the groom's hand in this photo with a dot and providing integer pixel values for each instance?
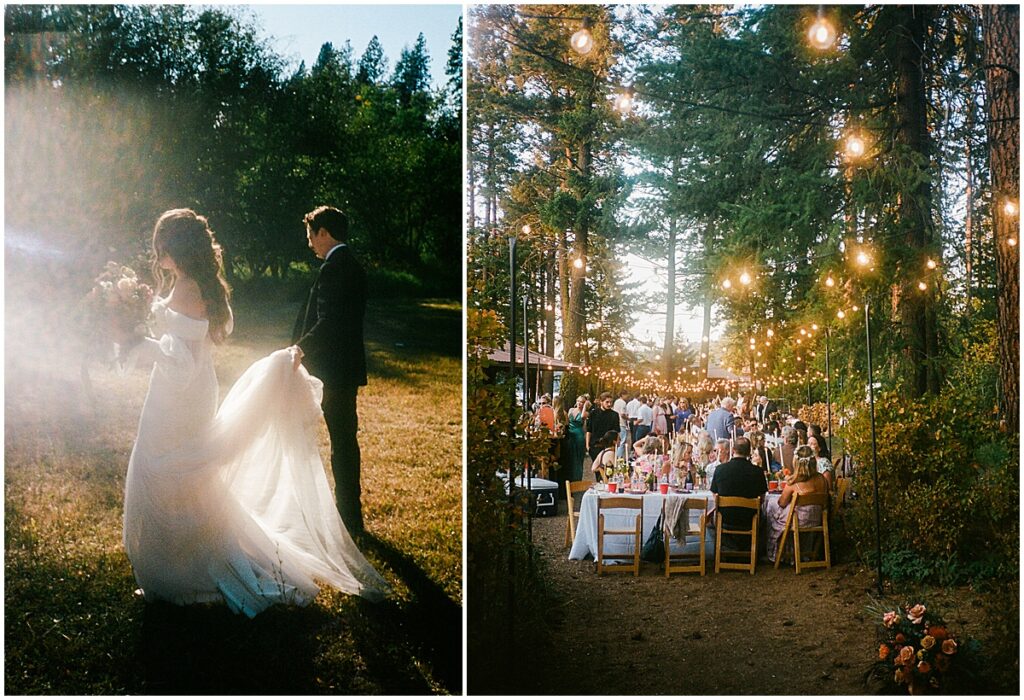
(297, 355)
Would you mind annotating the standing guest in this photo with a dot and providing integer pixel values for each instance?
(764, 410)
(620, 408)
(682, 414)
(545, 416)
(644, 419)
(558, 443)
(574, 448)
(602, 419)
(721, 421)
(659, 418)
(738, 477)
(632, 415)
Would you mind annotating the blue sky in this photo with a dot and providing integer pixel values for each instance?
(300, 30)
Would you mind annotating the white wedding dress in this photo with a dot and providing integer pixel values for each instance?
(232, 504)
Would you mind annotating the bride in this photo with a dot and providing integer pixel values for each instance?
(231, 504)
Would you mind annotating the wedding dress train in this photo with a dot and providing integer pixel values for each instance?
(232, 504)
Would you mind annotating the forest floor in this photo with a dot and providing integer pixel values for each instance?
(774, 633)
(72, 624)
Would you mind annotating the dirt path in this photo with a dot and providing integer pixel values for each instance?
(730, 633)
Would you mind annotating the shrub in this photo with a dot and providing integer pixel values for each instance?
(505, 584)
(948, 479)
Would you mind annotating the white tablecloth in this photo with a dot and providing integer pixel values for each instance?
(585, 542)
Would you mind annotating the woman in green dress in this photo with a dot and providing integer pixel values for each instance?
(574, 449)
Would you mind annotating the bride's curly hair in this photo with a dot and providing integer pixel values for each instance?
(186, 237)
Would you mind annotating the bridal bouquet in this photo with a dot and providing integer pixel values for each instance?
(117, 306)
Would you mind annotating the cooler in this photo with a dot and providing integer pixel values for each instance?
(545, 494)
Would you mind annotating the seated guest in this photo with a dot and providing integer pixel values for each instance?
(789, 440)
(720, 456)
(824, 464)
(760, 455)
(805, 481)
(606, 454)
(704, 449)
(738, 477)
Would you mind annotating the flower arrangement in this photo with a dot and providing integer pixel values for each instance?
(917, 651)
(118, 306)
(781, 474)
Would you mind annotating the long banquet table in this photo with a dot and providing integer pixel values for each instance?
(585, 542)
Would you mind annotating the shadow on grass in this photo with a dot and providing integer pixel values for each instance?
(431, 622)
(391, 648)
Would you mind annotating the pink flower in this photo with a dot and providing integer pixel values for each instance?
(889, 619)
(916, 614)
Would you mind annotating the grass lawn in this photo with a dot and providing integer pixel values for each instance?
(72, 624)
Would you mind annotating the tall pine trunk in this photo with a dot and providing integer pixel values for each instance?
(914, 205)
(1001, 28)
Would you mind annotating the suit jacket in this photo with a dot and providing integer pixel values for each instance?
(762, 412)
(738, 477)
(720, 423)
(329, 328)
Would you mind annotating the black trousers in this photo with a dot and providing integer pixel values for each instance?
(339, 406)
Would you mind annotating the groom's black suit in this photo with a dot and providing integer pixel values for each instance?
(330, 332)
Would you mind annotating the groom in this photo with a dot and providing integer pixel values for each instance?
(328, 338)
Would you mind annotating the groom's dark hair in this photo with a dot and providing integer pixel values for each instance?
(330, 218)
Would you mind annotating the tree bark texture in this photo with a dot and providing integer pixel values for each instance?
(1001, 30)
(915, 202)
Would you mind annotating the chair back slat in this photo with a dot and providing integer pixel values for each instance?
(620, 502)
(811, 499)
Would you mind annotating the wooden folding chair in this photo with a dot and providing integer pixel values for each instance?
(793, 526)
(690, 566)
(572, 488)
(624, 502)
(736, 502)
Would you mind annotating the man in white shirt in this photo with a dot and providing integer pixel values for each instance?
(620, 407)
(644, 418)
(631, 415)
(723, 451)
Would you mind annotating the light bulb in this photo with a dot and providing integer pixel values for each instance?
(855, 147)
(863, 259)
(726, 284)
(578, 263)
(744, 279)
(922, 286)
(526, 228)
(1010, 207)
(829, 282)
(771, 333)
(841, 313)
(582, 41)
(822, 34)
(931, 264)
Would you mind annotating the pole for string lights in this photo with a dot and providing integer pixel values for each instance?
(512, 435)
(828, 392)
(874, 447)
(526, 398)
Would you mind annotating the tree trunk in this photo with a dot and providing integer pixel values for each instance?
(549, 319)
(669, 350)
(969, 200)
(705, 338)
(1001, 30)
(915, 202)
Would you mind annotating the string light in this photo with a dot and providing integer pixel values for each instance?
(582, 40)
(822, 34)
(931, 264)
(726, 284)
(624, 101)
(829, 282)
(922, 286)
(578, 263)
(863, 259)
(745, 278)
(1010, 207)
(841, 313)
(855, 147)
(526, 229)
(1011, 241)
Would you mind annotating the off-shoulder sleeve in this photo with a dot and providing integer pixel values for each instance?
(171, 352)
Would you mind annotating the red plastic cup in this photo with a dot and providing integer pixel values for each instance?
(773, 485)
(612, 487)
(663, 488)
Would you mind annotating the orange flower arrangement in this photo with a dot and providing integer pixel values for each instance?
(917, 652)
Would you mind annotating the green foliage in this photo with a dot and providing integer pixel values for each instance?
(504, 581)
(120, 112)
(948, 479)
